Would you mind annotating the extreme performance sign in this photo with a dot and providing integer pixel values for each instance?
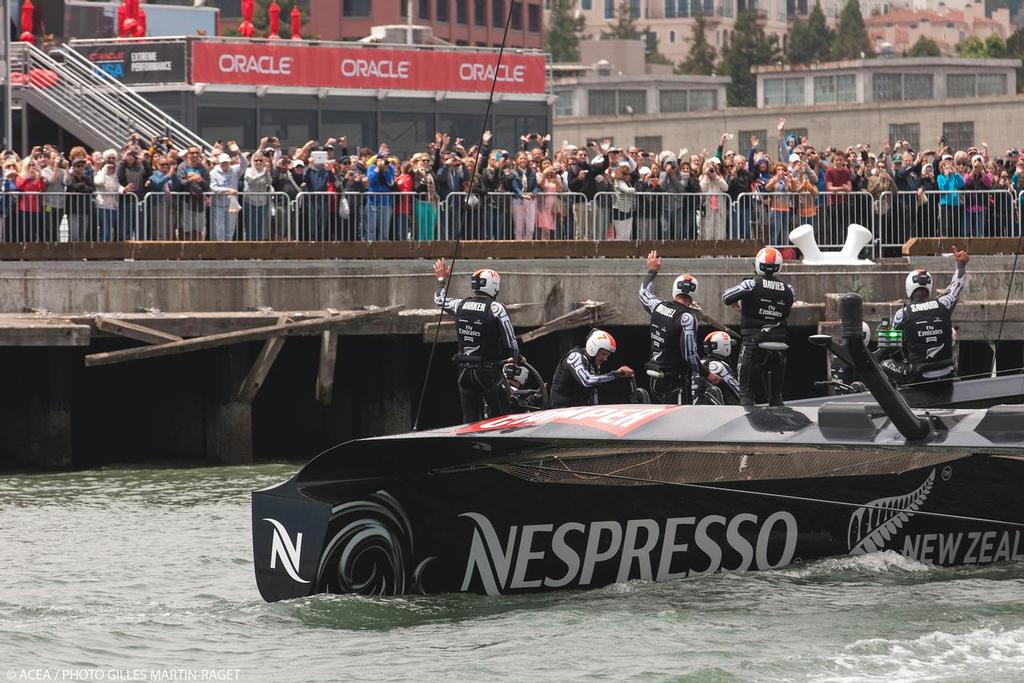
(314, 66)
(141, 62)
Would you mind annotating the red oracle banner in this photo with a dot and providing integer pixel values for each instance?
(308, 66)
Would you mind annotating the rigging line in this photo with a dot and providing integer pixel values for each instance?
(765, 494)
(458, 230)
(1006, 302)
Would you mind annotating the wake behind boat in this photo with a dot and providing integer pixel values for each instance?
(584, 497)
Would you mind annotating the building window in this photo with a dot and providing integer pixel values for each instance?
(634, 9)
(609, 9)
(517, 16)
(403, 9)
(991, 84)
(783, 91)
(671, 36)
(846, 88)
(600, 102)
(894, 87)
(888, 87)
(670, 9)
(564, 105)
(533, 18)
(671, 101)
(959, 134)
(358, 8)
(632, 101)
(743, 139)
(702, 100)
(911, 132)
(498, 13)
(960, 85)
(725, 9)
(424, 9)
(648, 143)
(709, 8)
(442, 10)
(834, 89)
(918, 87)
(480, 12)
(461, 11)
(587, 4)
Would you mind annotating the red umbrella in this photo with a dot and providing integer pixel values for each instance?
(296, 23)
(27, 9)
(246, 28)
(274, 14)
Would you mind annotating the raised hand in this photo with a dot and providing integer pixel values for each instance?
(754, 141)
(961, 255)
(653, 262)
(781, 125)
(441, 269)
(487, 136)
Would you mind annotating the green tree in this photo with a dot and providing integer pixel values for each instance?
(924, 47)
(1015, 43)
(652, 49)
(992, 47)
(562, 34)
(701, 58)
(995, 47)
(810, 41)
(624, 26)
(749, 46)
(852, 41)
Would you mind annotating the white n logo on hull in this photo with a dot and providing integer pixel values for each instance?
(283, 548)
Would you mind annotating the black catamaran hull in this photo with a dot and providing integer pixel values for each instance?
(499, 529)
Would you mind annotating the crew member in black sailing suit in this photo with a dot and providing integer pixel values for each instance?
(717, 350)
(764, 302)
(486, 339)
(674, 366)
(927, 326)
(578, 375)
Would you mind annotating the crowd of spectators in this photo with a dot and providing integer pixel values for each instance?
(154, 190)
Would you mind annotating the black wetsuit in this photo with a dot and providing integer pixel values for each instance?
(674, 358)
(927, 327)
(576, 380)
(765, 304)
(726, 392)
(486, 338)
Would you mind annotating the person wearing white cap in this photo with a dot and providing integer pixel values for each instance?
(624, 202)
(713, 186)
(224, 180)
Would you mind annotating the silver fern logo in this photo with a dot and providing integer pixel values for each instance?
(874, 524)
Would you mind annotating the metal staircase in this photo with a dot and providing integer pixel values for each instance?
(88, 102)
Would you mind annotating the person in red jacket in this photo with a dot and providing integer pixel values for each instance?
(30, 183)
(403, 203)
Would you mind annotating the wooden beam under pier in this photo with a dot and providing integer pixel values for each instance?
(592, 313)
(123, 328)
(258, 374)
(307, 327)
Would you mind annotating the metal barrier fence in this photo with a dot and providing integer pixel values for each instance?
(503, 216)
(893, 217)
(360, 216)
(249, 216)
(770, 216)
(901, 216)
(659, 216)
(69, 216)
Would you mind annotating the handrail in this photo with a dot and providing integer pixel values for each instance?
(158, 120)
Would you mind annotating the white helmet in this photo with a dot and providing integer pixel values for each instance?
(865, 332)
(517, 373)
(598, 340)
(486, 281)
(918, 279)
(768, 261)
(718, 344)
(684, 284)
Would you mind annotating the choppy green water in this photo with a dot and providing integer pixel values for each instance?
(121, 570)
